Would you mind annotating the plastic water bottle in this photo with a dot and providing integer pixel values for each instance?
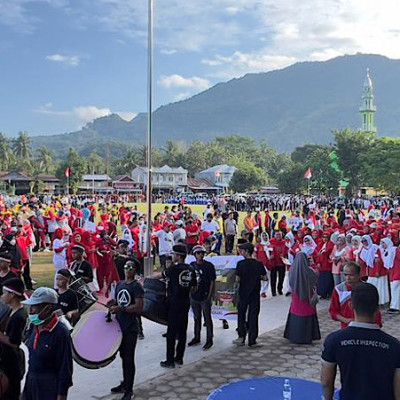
(287, 390)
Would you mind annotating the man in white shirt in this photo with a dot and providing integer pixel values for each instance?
(165, 243)
(210, 225)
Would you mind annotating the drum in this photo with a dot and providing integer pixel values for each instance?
(155, 300)
(96, 339)
(85, 295)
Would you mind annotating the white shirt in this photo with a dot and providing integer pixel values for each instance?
(165, 243)
(212, 226)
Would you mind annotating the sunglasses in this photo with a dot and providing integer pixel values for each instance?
(129, 267)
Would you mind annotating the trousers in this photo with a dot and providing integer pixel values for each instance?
(277, 272)
(248, 311)
(199, 308)
(178, 314)
(230, 240)
(127, 353)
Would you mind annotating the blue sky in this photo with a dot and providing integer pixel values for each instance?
(65, 62)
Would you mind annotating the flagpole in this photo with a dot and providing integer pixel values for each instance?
(148, 265)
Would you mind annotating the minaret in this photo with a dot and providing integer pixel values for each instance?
(367, 108)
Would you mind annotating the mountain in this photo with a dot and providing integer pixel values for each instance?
(299, 104)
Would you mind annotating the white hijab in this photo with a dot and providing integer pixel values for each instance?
(367, 253)
(388, 254)
(308, 249)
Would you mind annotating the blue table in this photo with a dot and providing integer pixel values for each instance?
(267, 389)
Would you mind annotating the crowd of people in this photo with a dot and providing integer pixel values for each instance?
(324, 247)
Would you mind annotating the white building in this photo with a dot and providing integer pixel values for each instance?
(219, 175)
(162, 178)
(98, 183)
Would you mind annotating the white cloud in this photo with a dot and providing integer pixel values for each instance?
(168, 52)
(70, 61)
(126, 115)
(178, 81)
(182, 96)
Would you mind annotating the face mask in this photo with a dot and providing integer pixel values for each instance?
(13, 242)
(35, 320)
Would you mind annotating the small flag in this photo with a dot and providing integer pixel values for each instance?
(308, 174)
(68, 172)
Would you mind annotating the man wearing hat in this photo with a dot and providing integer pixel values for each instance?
(50, 350)
(201, 299)
(67, 298)
(179, 232)
(181, 279)
(12, 357)
(79, 267)
(249, 273)
(165, 243)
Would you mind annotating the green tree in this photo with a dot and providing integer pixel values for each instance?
(197, 157)
(22, 146)
(5, 152)
(291, 180)
(44, 158)
(174, 153)
(301, 153)
(78, 167)
(351, 147)
(95, 164)
(247, 177)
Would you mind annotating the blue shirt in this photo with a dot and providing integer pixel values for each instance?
(367, 358)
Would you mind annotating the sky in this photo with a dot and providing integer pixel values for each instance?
(65, 62)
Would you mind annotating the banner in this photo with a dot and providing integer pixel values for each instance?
(225, 297)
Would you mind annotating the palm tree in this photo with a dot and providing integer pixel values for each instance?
(44, 159)
(5, 153)
(22, 146)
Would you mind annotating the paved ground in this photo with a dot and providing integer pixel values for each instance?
(276, 356)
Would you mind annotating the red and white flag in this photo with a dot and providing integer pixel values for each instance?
(308, 174)
(68, 172)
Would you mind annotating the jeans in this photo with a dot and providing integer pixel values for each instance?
(278, 271)
(127, 353)
(250, 307)
(202, 307)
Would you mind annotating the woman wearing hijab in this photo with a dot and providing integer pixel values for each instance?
(354, 255)
(394, 276)
(59, 252)
(302, 323)
(377, 274)
(309, 247)
(324, 265)
(339, 257)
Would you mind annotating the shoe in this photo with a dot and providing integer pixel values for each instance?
(127, 396)
(118, 389)
(178, 361)
(392, 311)
(263, 295)
(164, 334)
(280, 292)
(193, 342)
(208, 345)
(288, 294)
(225, 324)
(239, 341)
(274, 294)
(141, 336)
(166, 364)
(254, 344)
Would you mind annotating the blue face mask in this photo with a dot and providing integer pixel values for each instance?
(35, 320)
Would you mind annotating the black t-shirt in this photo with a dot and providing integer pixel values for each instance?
(205, 274)
(250, 272)
(68, 301)
(82, 269)
(367, 358)
(181, 278)
(126, 295)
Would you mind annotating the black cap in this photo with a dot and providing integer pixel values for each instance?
(66, 273)
(247, 247)
(180, 249)
(6, 256)
(14, 285)
(79, 248)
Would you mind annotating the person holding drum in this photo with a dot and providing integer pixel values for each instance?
(67, 298)
(12, 357)
(79, 267)
(181, 281)
(127, 304)
(50, 350)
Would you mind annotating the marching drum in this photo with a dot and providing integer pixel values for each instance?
(155, 300)
(96, 339)
(85, 295)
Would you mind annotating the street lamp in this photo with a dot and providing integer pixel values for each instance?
(148, 262)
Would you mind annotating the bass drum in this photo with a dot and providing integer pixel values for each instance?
(96, 339)
(84, 294)
(155, 300)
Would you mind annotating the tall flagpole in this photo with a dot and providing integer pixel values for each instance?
(148, 266)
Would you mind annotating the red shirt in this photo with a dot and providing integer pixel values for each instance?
(394, 273)
(279, 250)
(192, 228)
(323, 260)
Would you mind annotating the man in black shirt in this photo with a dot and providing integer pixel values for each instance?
(127, 304)
(181, 280)
(67, 298)
(5, 272)
(11, 356)
(249, 273)
(201, 299)
(368, 359)
(121, 258)
(79, 267)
